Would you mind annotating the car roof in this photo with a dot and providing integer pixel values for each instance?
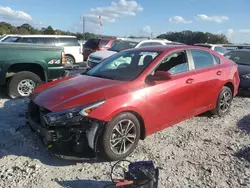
(49, 36)
(206, 44)
(162, 48)
(156, 40)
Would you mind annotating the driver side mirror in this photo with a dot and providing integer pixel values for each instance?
(158, 76)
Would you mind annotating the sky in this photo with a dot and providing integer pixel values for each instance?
(133, 17)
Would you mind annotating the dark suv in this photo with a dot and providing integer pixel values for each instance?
(96, 44)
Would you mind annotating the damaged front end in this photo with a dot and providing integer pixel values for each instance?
(69, 132)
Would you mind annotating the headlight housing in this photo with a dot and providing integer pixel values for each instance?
(71, 116)
(246, 76)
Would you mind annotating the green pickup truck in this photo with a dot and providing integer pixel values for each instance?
(24, 66)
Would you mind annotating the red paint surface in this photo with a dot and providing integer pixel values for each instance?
(161, 105)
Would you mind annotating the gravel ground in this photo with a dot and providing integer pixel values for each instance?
(201, 152)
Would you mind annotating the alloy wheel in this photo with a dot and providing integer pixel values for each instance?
(225, 101)
(123, 137)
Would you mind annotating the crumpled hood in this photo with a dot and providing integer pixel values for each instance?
(75, 91)
(102, 54)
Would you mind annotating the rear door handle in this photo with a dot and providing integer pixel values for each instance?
(219, 73)
(190, 81)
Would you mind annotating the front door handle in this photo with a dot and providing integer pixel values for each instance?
(219, 73)
(190, 81)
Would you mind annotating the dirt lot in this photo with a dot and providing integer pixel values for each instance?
(201, 152)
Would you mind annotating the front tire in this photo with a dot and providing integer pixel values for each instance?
(120, 137)
(223, 102)
(22, 84)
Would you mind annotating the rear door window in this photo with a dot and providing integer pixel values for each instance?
(32, 40)
(202, 59)
(47, 41)
(70, 41)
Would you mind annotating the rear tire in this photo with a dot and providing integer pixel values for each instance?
(22, 84)
(223, 102)
(111, 142)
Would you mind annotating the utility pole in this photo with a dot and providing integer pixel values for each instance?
(83, 27)
(151, 35)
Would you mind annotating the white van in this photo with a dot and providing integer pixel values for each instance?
(72, 48)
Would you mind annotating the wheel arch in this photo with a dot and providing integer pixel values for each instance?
(230, 86)
(31, 67)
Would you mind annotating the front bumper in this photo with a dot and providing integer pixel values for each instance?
(71, 141)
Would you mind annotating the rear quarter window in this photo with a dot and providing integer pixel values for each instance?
(68, 41)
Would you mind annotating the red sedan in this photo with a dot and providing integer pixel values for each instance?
(129, 96)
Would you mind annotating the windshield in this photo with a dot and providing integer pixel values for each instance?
(239, 57)
(124, 66)
(118, 46)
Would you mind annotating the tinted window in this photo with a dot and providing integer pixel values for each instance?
(47, 41)
(202, 59)
(103, 43)
(175, 63)
(217, 60)
(68, 41)
(92, 43)
(239, 57)
(124, 66)
(122, 45)
(220, 49)
(28, 40)
(10, 39)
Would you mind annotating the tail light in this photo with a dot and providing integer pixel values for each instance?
(63, 59)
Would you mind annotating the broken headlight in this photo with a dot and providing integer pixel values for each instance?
(71, 116)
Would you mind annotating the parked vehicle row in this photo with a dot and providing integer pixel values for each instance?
(72, 48)
(130, 95)
(123, 44)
